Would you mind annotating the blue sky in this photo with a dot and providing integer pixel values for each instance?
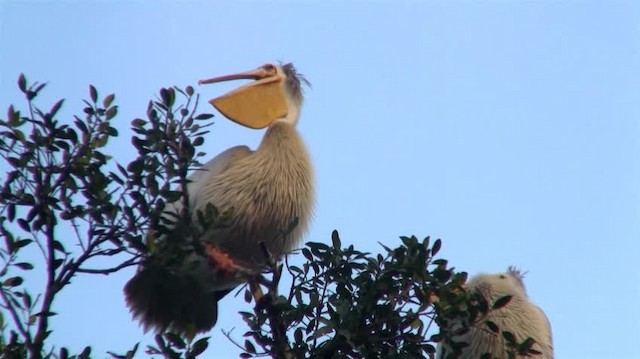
(508, 129)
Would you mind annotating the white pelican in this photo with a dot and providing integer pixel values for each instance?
(267, 189)
(520, 317)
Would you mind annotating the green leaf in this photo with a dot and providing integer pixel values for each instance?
(21, 243)
(322, 331)
(108, 100)
(13, 117)
(249, 347)
(9, 243)
(198, 141)
(24, 225)
(93, 93)
(24, 265)
(526, 346)
(99, 142)
(307, 254)
(171, 196)
(26, 300)
(56, 107)
(45, 314)
(492, 326)
(11, 212)
(203, 116)
(136, 166)
(200, 346)
(57, 263)
(12, 282)
(86, 353)
(335, 238)
(138, 122)
(509, 337)
(57, 245)
(141, 145)
(168, 97)
(416, 323)
(111, 112)
(22, 83)
(34, 92)
(298, 336)
(501, 302)
(81, 125)
(436, 247)
(175, 340)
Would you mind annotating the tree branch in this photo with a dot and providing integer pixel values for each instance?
(128, 263)
(51, 289)
(16, 319)
(282, 347)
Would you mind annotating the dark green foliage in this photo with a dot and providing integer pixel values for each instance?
(347, 304)
(58, 175)
(344, 303)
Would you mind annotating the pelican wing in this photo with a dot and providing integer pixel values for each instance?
(214, 167)
(209, 170)
(549, 331)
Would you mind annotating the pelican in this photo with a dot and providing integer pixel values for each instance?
(267, 190)
(520, 317)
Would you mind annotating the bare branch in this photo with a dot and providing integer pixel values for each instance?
(131, 262)
(16, 319)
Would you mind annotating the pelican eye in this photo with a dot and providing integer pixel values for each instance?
(270, 68)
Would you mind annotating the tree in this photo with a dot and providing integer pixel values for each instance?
(342, 303)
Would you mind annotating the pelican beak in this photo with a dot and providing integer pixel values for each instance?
(257, 74)
(255, 105)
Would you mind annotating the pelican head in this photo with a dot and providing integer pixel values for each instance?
(275, 95)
